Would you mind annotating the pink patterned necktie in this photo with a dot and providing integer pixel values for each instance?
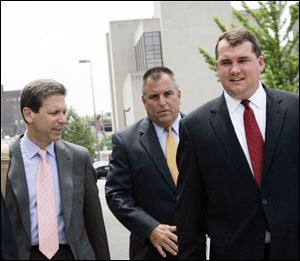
(255, 142)
(47, 218)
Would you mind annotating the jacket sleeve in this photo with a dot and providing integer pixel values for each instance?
(94, 221)
(189, 214)
(120, 193)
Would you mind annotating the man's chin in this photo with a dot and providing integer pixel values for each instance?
(56, 137)
(165, 122)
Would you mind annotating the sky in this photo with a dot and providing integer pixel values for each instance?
(46, 39)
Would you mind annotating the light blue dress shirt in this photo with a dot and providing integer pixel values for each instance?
(162, 133)
(32, 161)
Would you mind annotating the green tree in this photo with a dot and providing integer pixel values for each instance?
(77, 131)
(107, 141)
(280, 50)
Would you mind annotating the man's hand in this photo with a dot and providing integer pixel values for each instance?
(164, 238)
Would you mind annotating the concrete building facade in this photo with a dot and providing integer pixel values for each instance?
(171, 38)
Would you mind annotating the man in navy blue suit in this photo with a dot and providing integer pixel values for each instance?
(140, 190)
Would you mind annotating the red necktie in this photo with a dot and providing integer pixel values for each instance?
(47, 218)
(255, 142)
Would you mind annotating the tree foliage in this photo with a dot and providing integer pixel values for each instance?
(280, 50)
(106, 142)
(77, 131)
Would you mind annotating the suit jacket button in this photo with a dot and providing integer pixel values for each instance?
(264, 201)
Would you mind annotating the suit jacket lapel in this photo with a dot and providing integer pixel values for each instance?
(149, 141)
(65, 174)
(222, 126)
(275, 119)
(18, 182)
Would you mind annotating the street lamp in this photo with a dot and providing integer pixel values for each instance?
(95, 116)
(124, 111)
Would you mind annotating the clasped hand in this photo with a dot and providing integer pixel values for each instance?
(163, 237)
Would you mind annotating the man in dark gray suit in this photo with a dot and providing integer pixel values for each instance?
(80, 224)
(140, 190)
(247, 216)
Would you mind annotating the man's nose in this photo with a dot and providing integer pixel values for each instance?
(235, 68)
(162, 100)
(62, 118)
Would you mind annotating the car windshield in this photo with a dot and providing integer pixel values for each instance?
(100, 163)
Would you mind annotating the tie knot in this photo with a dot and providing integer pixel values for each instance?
(169, 130)
(245, 103)
(42, 154)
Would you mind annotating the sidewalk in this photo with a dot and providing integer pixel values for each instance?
(118, 235)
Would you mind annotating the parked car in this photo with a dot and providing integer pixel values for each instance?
(101, 168)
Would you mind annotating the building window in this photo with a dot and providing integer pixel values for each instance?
(148, 51)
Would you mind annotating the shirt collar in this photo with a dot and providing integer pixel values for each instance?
(160, 130)
(32, 149)
(258, 99)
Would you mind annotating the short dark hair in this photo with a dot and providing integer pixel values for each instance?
(34, 92)
(236, 37)
(155, 74)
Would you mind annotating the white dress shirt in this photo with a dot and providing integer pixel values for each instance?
(258, 103)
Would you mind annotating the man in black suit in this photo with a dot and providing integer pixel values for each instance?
(140, 190)
(217, 191)
(9, 248)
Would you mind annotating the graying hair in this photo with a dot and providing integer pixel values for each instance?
(155, 74)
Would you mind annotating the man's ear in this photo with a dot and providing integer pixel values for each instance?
(28, 114)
